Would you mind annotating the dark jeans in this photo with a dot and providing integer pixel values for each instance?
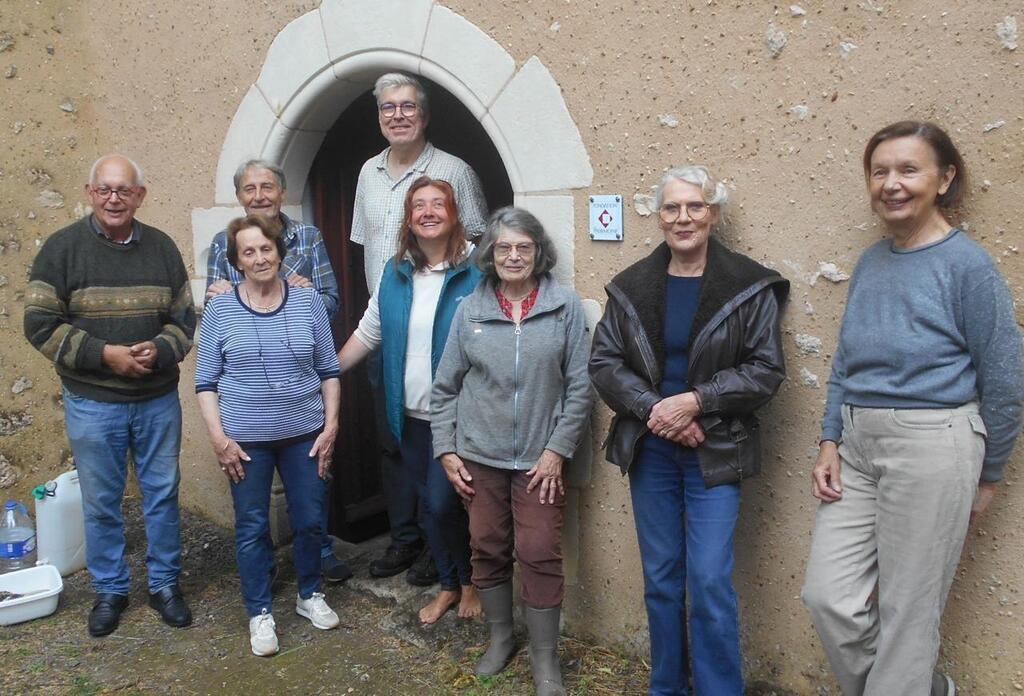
(504, 519)
(686, 545)
(399, 489)
(304, 493)
(444, 517)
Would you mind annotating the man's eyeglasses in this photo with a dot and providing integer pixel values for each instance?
(524, 250)
(122, 192)
(407, 109)
(670, 212)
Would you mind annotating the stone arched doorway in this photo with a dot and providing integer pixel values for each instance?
(323, 61)
(318, 64)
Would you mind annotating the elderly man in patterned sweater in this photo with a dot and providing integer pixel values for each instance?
(109, 303)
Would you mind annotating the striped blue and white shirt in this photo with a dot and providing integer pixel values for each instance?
(267, 368)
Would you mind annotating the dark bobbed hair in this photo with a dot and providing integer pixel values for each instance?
(518, 220)
(407, 242)
(946, 154)
(270, 227)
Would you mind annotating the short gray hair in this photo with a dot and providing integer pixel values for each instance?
(715, 192)
(139, 179)
(517, 220)
(396, 79)
(259, 164)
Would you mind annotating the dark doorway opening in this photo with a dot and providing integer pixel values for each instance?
(357, 502)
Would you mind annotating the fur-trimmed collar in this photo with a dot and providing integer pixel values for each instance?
(726, 275)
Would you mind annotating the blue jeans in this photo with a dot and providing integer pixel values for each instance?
(326, 542)
(304, 493)
(444, 517)
(101, 433)
(686, 545)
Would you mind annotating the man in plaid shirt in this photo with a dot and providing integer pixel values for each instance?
(260, 188)
(403, 113)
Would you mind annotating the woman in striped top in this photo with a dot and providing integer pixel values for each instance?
(267, 384)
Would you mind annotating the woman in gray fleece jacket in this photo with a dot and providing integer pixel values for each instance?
(510, 402)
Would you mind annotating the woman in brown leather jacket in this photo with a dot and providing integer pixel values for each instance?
(689, 346)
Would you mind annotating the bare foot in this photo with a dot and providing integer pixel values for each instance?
(469, 605)
(444, 601)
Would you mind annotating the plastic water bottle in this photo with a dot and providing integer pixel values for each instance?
(17, 538)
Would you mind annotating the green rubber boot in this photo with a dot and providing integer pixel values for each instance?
(497, 605)
(543, 627)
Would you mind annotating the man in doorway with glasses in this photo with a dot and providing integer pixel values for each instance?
(404, 112)
(260, 188)
(110, 304)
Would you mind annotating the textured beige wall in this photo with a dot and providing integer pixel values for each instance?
(165, 88)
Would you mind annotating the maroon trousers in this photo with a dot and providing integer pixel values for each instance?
(504, 519)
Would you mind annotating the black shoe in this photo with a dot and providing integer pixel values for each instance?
(334, 569)
(171, 606)
(395, 560)
(423, 572)
(106, 613)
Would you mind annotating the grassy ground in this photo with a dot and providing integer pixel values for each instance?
(380, 648)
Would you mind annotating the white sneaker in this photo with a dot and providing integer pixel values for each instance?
(316, 610)
(262, 636)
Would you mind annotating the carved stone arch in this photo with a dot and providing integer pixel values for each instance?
(319, 63)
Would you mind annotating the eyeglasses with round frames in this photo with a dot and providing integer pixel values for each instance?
(407, 109)
(123, 192)
(670, 212)
(523, 249)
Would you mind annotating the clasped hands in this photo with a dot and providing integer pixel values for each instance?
(130, 361)
(674, 418)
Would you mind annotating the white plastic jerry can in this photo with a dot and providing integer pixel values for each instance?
(60, 523)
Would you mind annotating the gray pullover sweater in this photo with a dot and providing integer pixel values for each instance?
(931, 327)
(502, 396)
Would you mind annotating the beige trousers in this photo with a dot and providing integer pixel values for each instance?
(909, 477)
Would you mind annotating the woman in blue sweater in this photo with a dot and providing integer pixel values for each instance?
(267, 384)
(408, 318)
(924, 404)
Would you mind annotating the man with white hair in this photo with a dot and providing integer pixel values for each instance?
(109, 303)
(403, 112)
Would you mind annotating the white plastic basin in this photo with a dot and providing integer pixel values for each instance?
(41, 587)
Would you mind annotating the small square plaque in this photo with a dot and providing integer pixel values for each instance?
(606, 218)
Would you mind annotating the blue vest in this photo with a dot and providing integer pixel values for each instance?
(394, 298)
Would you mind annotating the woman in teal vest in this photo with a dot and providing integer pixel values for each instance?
(408, 318)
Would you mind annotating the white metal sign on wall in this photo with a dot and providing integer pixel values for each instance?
(606, 218)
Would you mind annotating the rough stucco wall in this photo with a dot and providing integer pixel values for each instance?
(799, 199)
(165, 90)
